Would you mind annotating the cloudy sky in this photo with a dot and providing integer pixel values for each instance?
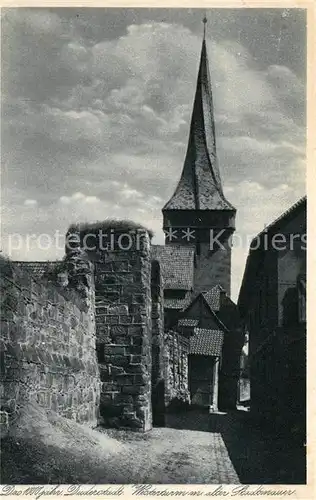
(96, 110)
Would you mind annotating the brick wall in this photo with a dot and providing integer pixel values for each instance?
(123, 326)
(176, 351)
(48, 342)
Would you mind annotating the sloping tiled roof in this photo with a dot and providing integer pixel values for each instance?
(200, 185)
(207, 342)
(281, 218)
(188, 322)
(177, 265)
(176, 303)
(36, 268)
(213, 297)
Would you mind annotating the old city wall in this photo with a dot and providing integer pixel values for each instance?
(48, 343)
(157, 350)
(123, 326)
(88, 342)
(176, 351)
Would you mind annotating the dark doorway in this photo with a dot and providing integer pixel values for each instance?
(201, 379)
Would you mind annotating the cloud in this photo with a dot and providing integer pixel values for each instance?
(289, 90)
(258, 206)
(78, 197)
(30, 203)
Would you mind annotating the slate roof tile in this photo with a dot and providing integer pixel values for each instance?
(177, 265)
(188, 322)
(207, 342)
(176, 303)
(213, 297)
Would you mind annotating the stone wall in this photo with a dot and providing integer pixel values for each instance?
(123, 326)
(176, 350)
(157, 350)
(213, 267)
(48, 342)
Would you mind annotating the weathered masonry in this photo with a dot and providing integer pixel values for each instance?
(123, 329)
(48, 342)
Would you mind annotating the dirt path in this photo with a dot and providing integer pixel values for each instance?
(193, 448)
(172, 455)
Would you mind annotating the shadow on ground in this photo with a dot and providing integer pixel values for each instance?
(193, 448)
(258, 455)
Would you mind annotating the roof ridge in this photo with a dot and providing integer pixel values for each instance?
(207, 329)
(280, 217)
(35, 261)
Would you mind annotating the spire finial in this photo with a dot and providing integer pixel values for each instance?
(204, 22)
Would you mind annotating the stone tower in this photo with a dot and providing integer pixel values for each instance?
(198, 213)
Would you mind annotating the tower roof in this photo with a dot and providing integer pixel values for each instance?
(200, 186)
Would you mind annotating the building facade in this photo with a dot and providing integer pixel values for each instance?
(272, 305)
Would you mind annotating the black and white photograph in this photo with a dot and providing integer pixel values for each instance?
(153, 249)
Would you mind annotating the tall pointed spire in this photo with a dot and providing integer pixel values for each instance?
(200, 185)
(204, 29)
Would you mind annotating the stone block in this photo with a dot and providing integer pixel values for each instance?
(130, 420)
(112, 320)
(102, 333)
(109, 386)
(138, 309)
(101, 310)
(139, 318)
(119, 330)
(125, 319)
(134, 389)
(116, 370)
(111, 297)
(134, 349)
(100, 320)
(105, 375)
(4, 422)
(136, 368)
(136, 341)
(16, 351)
(108, 279)
(109, 412)
(117, 309)
(105, 266)
(106, 398)
(136, 358)
(119, 340)
(120, 398)
(139, 379)
(124, 379)
(136, 330)
(141, 399)
(115, 349)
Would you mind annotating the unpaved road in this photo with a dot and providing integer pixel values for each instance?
(193, 448)
(167, 455)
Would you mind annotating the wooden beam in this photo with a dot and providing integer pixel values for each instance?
(214, 406)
